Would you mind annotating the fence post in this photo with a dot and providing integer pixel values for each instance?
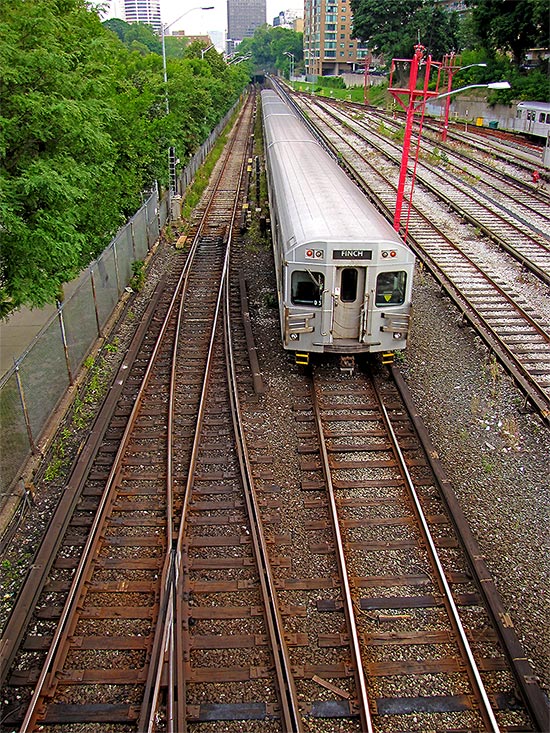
(64, 341)
(94, 295)
(26, 417)
(115, 255)
(133, 235)
(157, 210)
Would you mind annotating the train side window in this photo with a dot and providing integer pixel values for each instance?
(307, 288)
(390, 288)
(542, 117)
(348, 285)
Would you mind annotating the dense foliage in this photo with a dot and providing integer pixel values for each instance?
(511, 25)
(393, 28)
(84, 131)
(498, 27)
(269, 48)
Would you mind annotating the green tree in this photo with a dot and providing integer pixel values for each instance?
(268, 47)
(393, 28)
(84, 132)
(511, 25)
(56, 152)
(118, 27)
(135, 36)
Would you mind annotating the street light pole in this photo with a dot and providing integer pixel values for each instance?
(450, 68)
(171, 150)
(413, 93)
(238, 59)
(417, 100)
(292, 59)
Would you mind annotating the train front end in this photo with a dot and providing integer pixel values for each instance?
(347, 298)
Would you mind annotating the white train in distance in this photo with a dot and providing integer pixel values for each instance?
(532, 118)
(344, 276)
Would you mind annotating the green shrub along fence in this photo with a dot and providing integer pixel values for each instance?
(32, 389)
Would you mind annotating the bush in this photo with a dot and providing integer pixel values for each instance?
(330, 82)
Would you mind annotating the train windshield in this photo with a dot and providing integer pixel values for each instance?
(307, 287)
(390, 288)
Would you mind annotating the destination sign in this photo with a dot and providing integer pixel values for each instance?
(352, 254)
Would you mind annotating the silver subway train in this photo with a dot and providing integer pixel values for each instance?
(533, 118)
(344, 276)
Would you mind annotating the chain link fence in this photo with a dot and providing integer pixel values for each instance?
(31, 390)
(33, 387)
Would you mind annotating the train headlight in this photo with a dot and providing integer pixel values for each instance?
(397, 335)
(384, 253)
(294, 337)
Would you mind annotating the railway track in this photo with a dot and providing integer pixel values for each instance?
(398, 627)
(505, 321)
(422, 629)
(519, 228)
(224, 596)
(112, 605)
(504, 146)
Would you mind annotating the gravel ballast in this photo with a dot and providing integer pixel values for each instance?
(494, 452)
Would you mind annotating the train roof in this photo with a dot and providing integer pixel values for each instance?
(540, 106)
(320, 202)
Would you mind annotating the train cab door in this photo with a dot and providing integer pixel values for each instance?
(349, 302)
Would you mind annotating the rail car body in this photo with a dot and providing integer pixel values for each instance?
(344, 276)
(533, 118)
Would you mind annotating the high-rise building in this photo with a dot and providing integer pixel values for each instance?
(143, 11)
(243, 17)
(329, 47)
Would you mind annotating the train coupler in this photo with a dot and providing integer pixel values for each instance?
(302, 359)
(388, 357)
(347, 365)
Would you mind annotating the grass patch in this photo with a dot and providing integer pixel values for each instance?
(194, 192)
(377, 95)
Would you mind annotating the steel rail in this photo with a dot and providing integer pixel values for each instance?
(472, 670)
(386, 147)
(530, 690)
(178, 689)
(534, 391)
(464, 162)
(288, 696)
(166, 602)
(164, 630)
(290, 707)
(62, 631)
(473, 138)
(27, 599)
(364, 706)
(179, 682)
(524, 314)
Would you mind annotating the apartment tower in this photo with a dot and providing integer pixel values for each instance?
(329, 47)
